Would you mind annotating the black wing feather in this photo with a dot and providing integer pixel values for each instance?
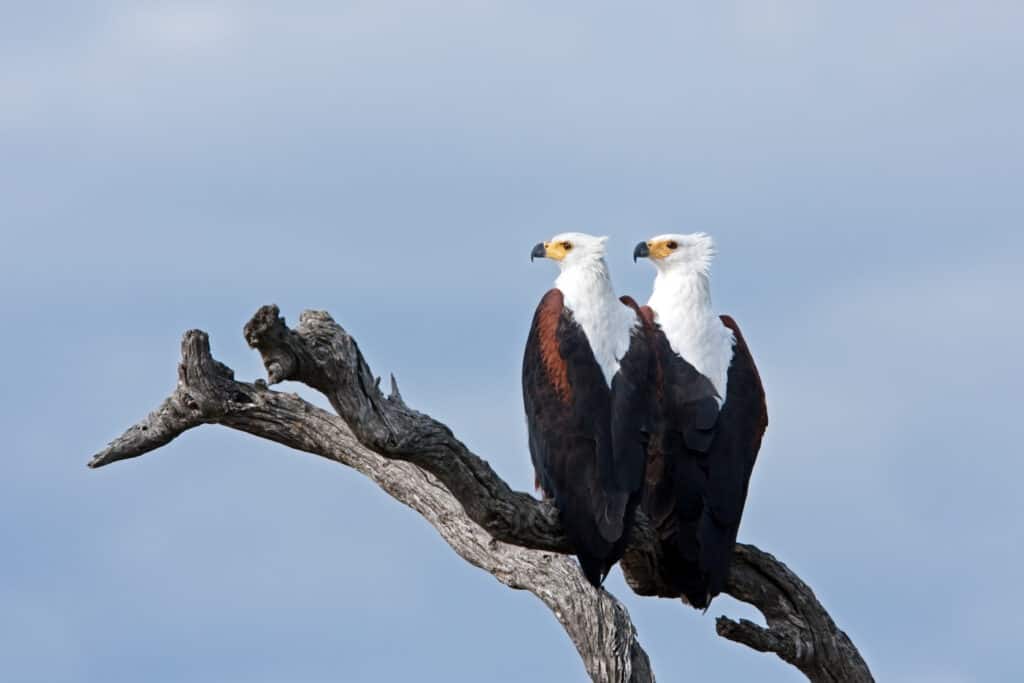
(741, 427)
(584, 459)
(699, 465)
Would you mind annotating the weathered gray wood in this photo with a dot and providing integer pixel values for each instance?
(418, 461)
(799, 631)
(595, 621)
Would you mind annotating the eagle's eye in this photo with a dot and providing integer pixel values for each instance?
(567, 245)
(672, 245)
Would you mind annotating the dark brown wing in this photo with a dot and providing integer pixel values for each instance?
(568, 406)
(684, 421)
(699, 463)
(738, 434)
(632, 406)
(632, 412)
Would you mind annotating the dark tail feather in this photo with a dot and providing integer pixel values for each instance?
(700, 559)
(597, 567)
(594, 568)
(717, 545)
(595, 553)
(688, 578)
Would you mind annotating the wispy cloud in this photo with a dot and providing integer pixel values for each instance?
(182, 29)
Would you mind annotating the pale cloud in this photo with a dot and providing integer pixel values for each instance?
(176, 28)
(775, 21)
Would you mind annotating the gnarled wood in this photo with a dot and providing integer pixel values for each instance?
(418, 461)
(207, 393)
(799, 631)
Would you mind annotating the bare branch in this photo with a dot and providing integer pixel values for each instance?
(595, 621)
(800, 630)
(321, 354)
(510, 534)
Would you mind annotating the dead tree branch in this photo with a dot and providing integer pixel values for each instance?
(418, 461)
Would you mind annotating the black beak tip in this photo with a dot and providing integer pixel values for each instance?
(641, 251)
(538, 251)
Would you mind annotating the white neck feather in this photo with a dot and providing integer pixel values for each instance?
(681, 301)
(606, 321)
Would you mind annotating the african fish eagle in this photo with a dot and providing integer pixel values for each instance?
(708, 423)
(586, 391)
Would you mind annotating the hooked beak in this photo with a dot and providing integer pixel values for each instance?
(641, 251)
(538, 252)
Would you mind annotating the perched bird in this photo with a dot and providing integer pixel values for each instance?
(586, 393)
(708, 423)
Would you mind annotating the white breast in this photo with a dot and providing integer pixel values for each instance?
(608, 333)
(606, 321)
(696, 334)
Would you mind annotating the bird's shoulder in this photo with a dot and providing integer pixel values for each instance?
(644, 313)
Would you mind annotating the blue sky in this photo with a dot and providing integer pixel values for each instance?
(169, 165)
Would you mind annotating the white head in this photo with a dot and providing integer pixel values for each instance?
(587, 292)
(571, 249)
(679, 253)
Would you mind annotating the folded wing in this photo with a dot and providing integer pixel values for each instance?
(584, 436)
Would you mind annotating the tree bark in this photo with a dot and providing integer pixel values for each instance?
(419, 462)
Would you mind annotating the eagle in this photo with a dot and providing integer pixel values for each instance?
(708, 422)
(586, 392)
